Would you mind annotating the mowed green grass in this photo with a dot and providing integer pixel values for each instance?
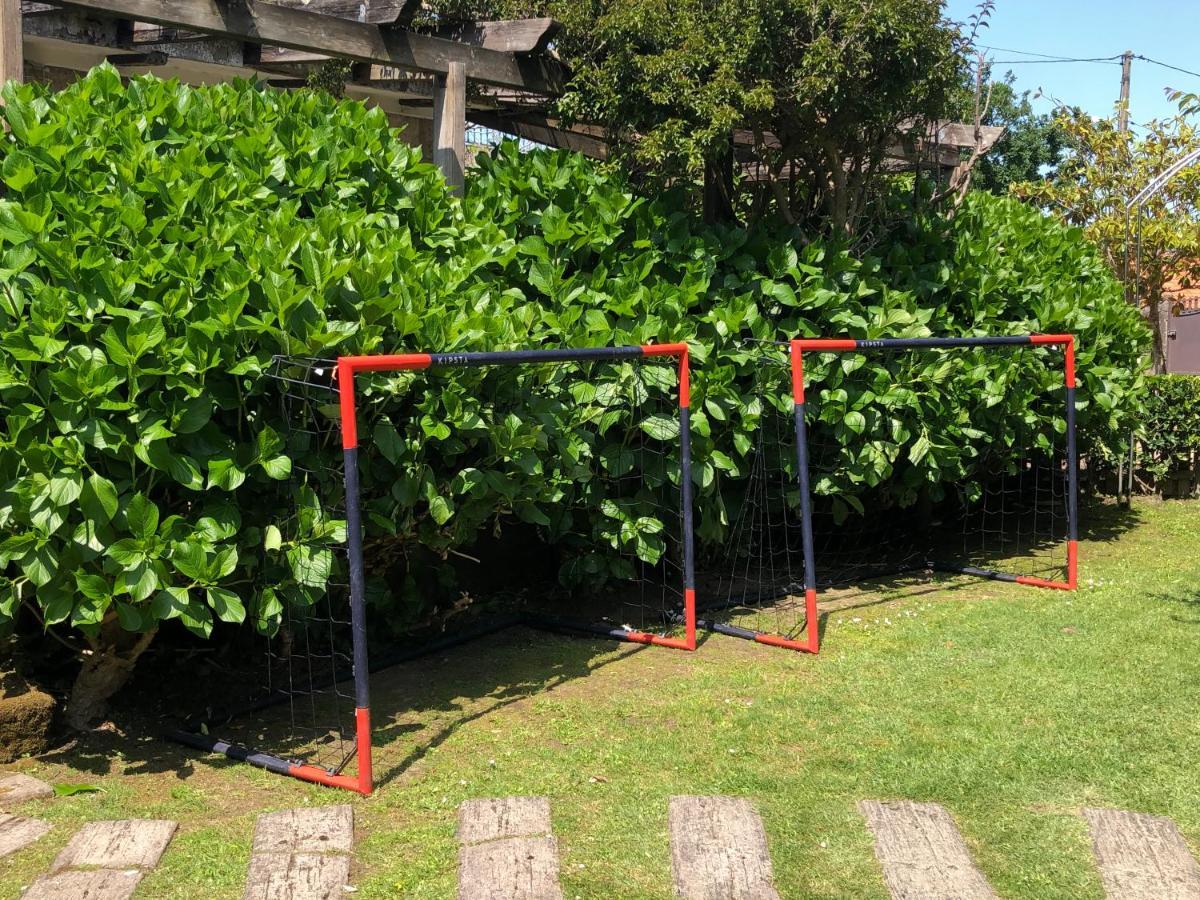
(1013, 707)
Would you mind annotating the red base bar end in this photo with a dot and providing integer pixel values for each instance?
(772, 641)
(1045, 583)
(812, 637)
(641, 637)
(317, 775)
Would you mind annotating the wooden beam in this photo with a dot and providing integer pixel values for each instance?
(539, 129)
(397, 13)
(265, 23)
(12, 57)
(508, 35)
(450, 125)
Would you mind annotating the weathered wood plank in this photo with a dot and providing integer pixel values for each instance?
(18, 787)
(123, 844)
(377, 12)
(491, 818)
(922, 854)
(17, 833)
(516, 868)
(12, 59)
(1142, 857)
(719, 850)
(98, 884)
(321, 829)
(506, 35)
(260, 22)
(450, 126)
(297, 876)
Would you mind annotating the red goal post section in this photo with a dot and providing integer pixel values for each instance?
(350, 366)
(840, 345)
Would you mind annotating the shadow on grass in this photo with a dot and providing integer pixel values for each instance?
(1107, 520)
(416, 706)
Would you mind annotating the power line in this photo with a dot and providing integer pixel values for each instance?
(1027, 53)
(1167, 65)
(1110, 60)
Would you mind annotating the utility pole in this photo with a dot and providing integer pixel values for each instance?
(1123, 113)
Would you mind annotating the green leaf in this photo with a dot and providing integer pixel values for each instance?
(441, 509)
(224, 473)
(660, 427)
(272, 539)
(99, 498)
(141, 516)
(226, 604)
(70, 790)
(279, 467)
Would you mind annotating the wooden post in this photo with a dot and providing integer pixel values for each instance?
(1123, 112)
(12, 58)
(450, 124)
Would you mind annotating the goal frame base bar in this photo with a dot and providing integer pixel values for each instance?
(797, 349)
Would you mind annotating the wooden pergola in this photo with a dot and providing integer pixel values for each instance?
(432, 81)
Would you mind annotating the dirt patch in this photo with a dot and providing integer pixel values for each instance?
(26, 714)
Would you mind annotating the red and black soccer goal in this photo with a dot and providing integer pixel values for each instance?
(879, 461)
(556, 480)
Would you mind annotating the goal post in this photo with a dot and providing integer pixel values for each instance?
(348, 760)
(785, 550)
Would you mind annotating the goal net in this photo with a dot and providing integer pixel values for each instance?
(879, 461)
(438, 496)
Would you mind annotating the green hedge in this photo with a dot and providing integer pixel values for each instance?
(1169, 433)
(159, 244)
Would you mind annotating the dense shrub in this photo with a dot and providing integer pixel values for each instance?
(160, 244)
(1169, 433)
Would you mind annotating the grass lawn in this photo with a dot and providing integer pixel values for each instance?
(1011, 706)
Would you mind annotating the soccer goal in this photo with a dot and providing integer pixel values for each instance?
(552, 484)
(877, 462)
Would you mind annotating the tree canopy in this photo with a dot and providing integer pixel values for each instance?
(1094, 186)
(821, 88)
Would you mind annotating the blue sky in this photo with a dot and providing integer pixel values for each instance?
(1165, 30)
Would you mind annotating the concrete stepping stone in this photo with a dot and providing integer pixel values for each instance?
(301, 854)
(17, 833)
(297, 876)
(719, 850)
(123, 844)
(96, 884)
(507, 850)
(17, 788)
(922, 853)
(1142, 857)
(323, 829)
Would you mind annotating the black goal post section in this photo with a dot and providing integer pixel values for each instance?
(833, 501)
(627, 487)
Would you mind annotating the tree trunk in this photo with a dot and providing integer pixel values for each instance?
(719, 187)
(104, 672)
(1160, 326)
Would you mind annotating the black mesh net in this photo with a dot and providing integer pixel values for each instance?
(545, 491)
(928, 460)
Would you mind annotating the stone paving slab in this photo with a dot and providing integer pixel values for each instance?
(17, 788)
(97, 884)
(321, 829)
(514, 868)
(719, 850)
(122, 844)
(301, 854)
(490, 818)
(1142, 857)
(297, 876)
(922, 853)
(17, 833)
